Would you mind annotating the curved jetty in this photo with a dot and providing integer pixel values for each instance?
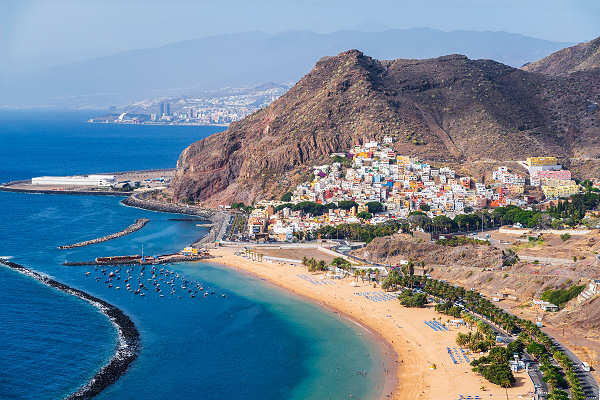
(219, 219)
(136, 226)
(129, 337)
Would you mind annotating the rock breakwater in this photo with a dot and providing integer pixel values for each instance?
(136, 226)
(141, 200)
(219, 219)
(129, 338)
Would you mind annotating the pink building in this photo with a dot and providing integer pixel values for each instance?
(562, 175)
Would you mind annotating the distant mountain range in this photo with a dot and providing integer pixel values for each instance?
(246, 59)
(449, 109)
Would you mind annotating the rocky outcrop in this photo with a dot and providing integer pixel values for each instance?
(447, 109)
(393, 249)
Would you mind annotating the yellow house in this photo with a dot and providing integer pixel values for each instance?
(541, 161)
(403, 160)
(565, 190)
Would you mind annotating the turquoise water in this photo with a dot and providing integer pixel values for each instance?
(257, 343)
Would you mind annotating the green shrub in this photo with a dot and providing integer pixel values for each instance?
(560, 297)
(409, 299)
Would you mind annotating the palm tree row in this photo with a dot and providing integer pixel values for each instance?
(473, 302)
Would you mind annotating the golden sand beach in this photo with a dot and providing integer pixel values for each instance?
(413, 347)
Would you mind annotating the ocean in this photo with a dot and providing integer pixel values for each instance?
(258, 342)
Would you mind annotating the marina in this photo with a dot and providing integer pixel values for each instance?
(160, 282)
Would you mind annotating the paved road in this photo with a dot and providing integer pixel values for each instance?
(590, 386)
(536, 376)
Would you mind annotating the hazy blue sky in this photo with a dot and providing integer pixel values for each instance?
(44, 32)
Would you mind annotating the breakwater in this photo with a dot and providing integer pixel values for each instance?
(139, 260)
(128, 346)
(136, 226)
(141, 200)
(219, 219)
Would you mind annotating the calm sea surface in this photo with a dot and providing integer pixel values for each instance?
(257, 343)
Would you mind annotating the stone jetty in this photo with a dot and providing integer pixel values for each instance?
(139, 260)
(128, 345)
(142, 200)
(136, 226)
(219, 219)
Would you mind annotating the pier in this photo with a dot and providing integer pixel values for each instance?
(136, 226)
(193, 255)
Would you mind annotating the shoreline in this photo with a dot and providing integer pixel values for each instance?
(128, 346)
(409, 347)
(387, 351)
(156, 123)
(151, 205)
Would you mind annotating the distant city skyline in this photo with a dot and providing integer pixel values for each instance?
(39, 33)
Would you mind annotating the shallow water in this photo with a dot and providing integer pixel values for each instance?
(257, 343)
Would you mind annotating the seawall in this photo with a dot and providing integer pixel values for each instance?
(140, 200)
(136, 226)
(219, 219)
(129, 337)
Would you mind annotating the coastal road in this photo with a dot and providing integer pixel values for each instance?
(536, 376)
(590, 386)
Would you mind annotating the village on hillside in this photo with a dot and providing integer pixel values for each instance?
(372, 184)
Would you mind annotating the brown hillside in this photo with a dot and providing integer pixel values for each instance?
(392, 249)
(443, 109)
(582, 57)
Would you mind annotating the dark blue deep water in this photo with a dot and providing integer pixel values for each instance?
(257, 343)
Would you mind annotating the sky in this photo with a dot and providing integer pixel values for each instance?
(39, 33)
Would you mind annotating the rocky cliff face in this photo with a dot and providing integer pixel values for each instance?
(582, 57)
(448, 109)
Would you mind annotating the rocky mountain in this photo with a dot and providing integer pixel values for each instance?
(446, 109)
(242, 59)
(582, 57)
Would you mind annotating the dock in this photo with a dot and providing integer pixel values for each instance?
(144, 260)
